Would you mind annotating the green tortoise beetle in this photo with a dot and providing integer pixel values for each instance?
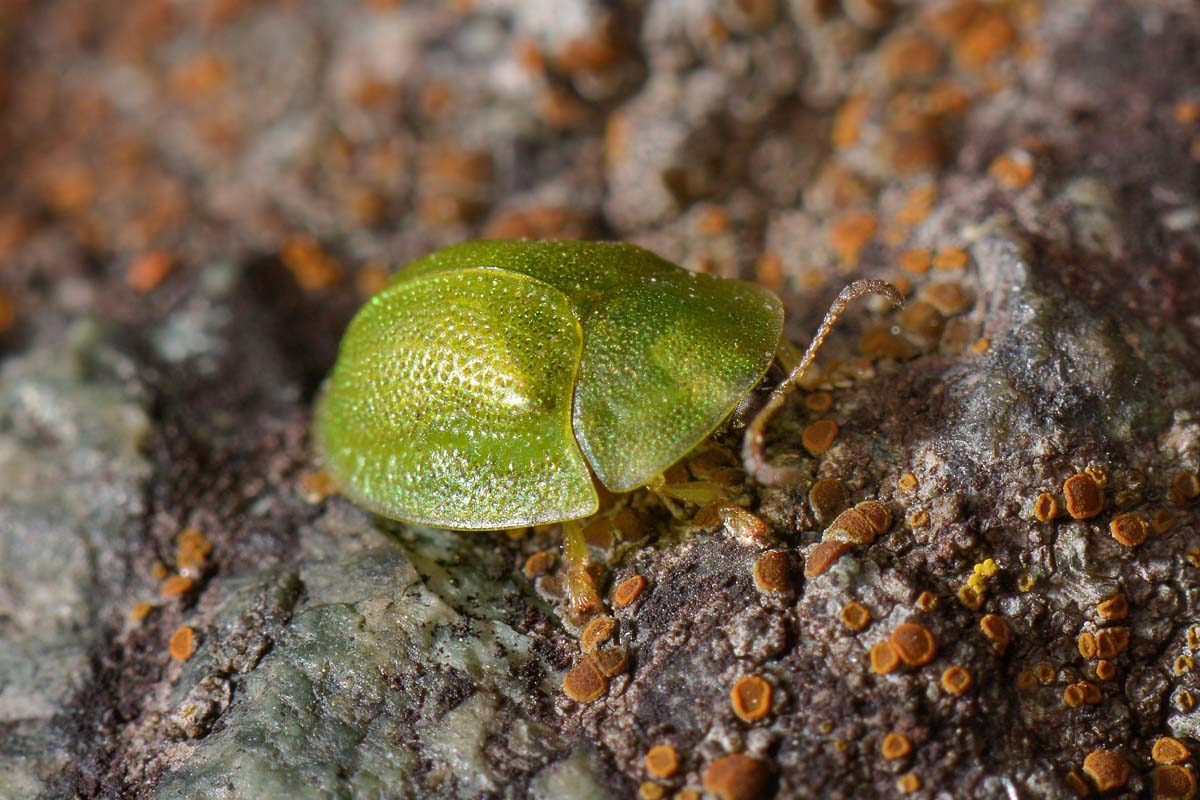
(489, 384)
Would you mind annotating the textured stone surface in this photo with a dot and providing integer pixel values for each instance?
(283, 156)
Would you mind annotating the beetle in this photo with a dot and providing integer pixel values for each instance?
(491, 384)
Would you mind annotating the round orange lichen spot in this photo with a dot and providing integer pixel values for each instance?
(1169, 751)
(140, 611)
(1077, 784)
(981, 345)
(823, 557)
(951, 258)
(876, 514)
(915, 261)
(909, 783)
(1012, 170)
(751, 698)
(1111, 641)
(818, 402)
(1073, 695)
(818, 437)
(1174, 783)
(176, 585)
(1129, 529)
(879, 342)
(597, 632)
(914, 643)
(773, 572)
(628, 590)
(311, 267)
(1184, 488)
(884, 658)
(1185, 701)
(850, 233)
(908, 482)
(1183, 665)
(1108, 770)
(1105, 670)
(995, 628)
(539, 563)
(1027, 681)
(611, 661)
(737, 777)
(192, 549)
(662, 760)
(1113, 608)
(1086, 644)
(918, 519)
(1045, 508)
(183, 643)
(1091, 692)
(921, 319)
(850, 526)
(687, 794)
(855, 616)
(927, 601)
(148, 271)
(584, 682)
(956, 679)
(827, 497)
(651, 791)
(1085, 497)
(948, 298)
(1162, 520)
(895, 746)
(1044, 672)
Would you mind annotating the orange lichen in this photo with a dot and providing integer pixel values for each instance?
(1193, 557)
(827, 497)
(1086, 643)
(879, 342)
(1091, 692)
(951, 258)
(662, 761)
(1027, 681)
(317, 485)
(1077, 784)
(651, 791)
(1187, 111)
(768, 269)
(192, 549)
(1174, 783)
(1085, 497)
(1012, 170)
(818, 437)
(598, 631)
(1108, 770)
(611, 661)
(884, 658)
(176, 585)
(895, 746)
(200, 76)
(909, 56)
(183, 643)
(981, 345)
(628, 590)
(140, 611)
(737, 777)
(772, 572)
(909, 783)
(539, 563)
(848, 121)
(585, 682)
(1105, 670)
(1112, 641)
(310, 265)
(908, 482)
(915, 208)
(1113, 608)
(1185, 701)
(927, 601)
(8, 311)
(751, 698)
(818, 402)
(855, 616)
(850, 526)
(988, 34)
(1185, 487)
(823, 557)
(921, 319)
(916, 261)
(914, 644)
(1169, 751)
(1183, 665)
(1162, 520)
(1044, 672)
(149, 270)
(995, 628)
(1129, 529)
(876, 514)
(948, 298)
(918, 519)
(850, 233)
(956, 679)
(1045, 507)
(687, 794)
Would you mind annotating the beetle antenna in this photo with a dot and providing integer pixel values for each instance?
(753, 456)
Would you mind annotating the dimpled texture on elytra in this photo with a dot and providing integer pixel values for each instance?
(477, 387)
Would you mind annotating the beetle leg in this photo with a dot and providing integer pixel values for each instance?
(753, 456)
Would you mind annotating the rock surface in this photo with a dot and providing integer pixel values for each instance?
(195, 198)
